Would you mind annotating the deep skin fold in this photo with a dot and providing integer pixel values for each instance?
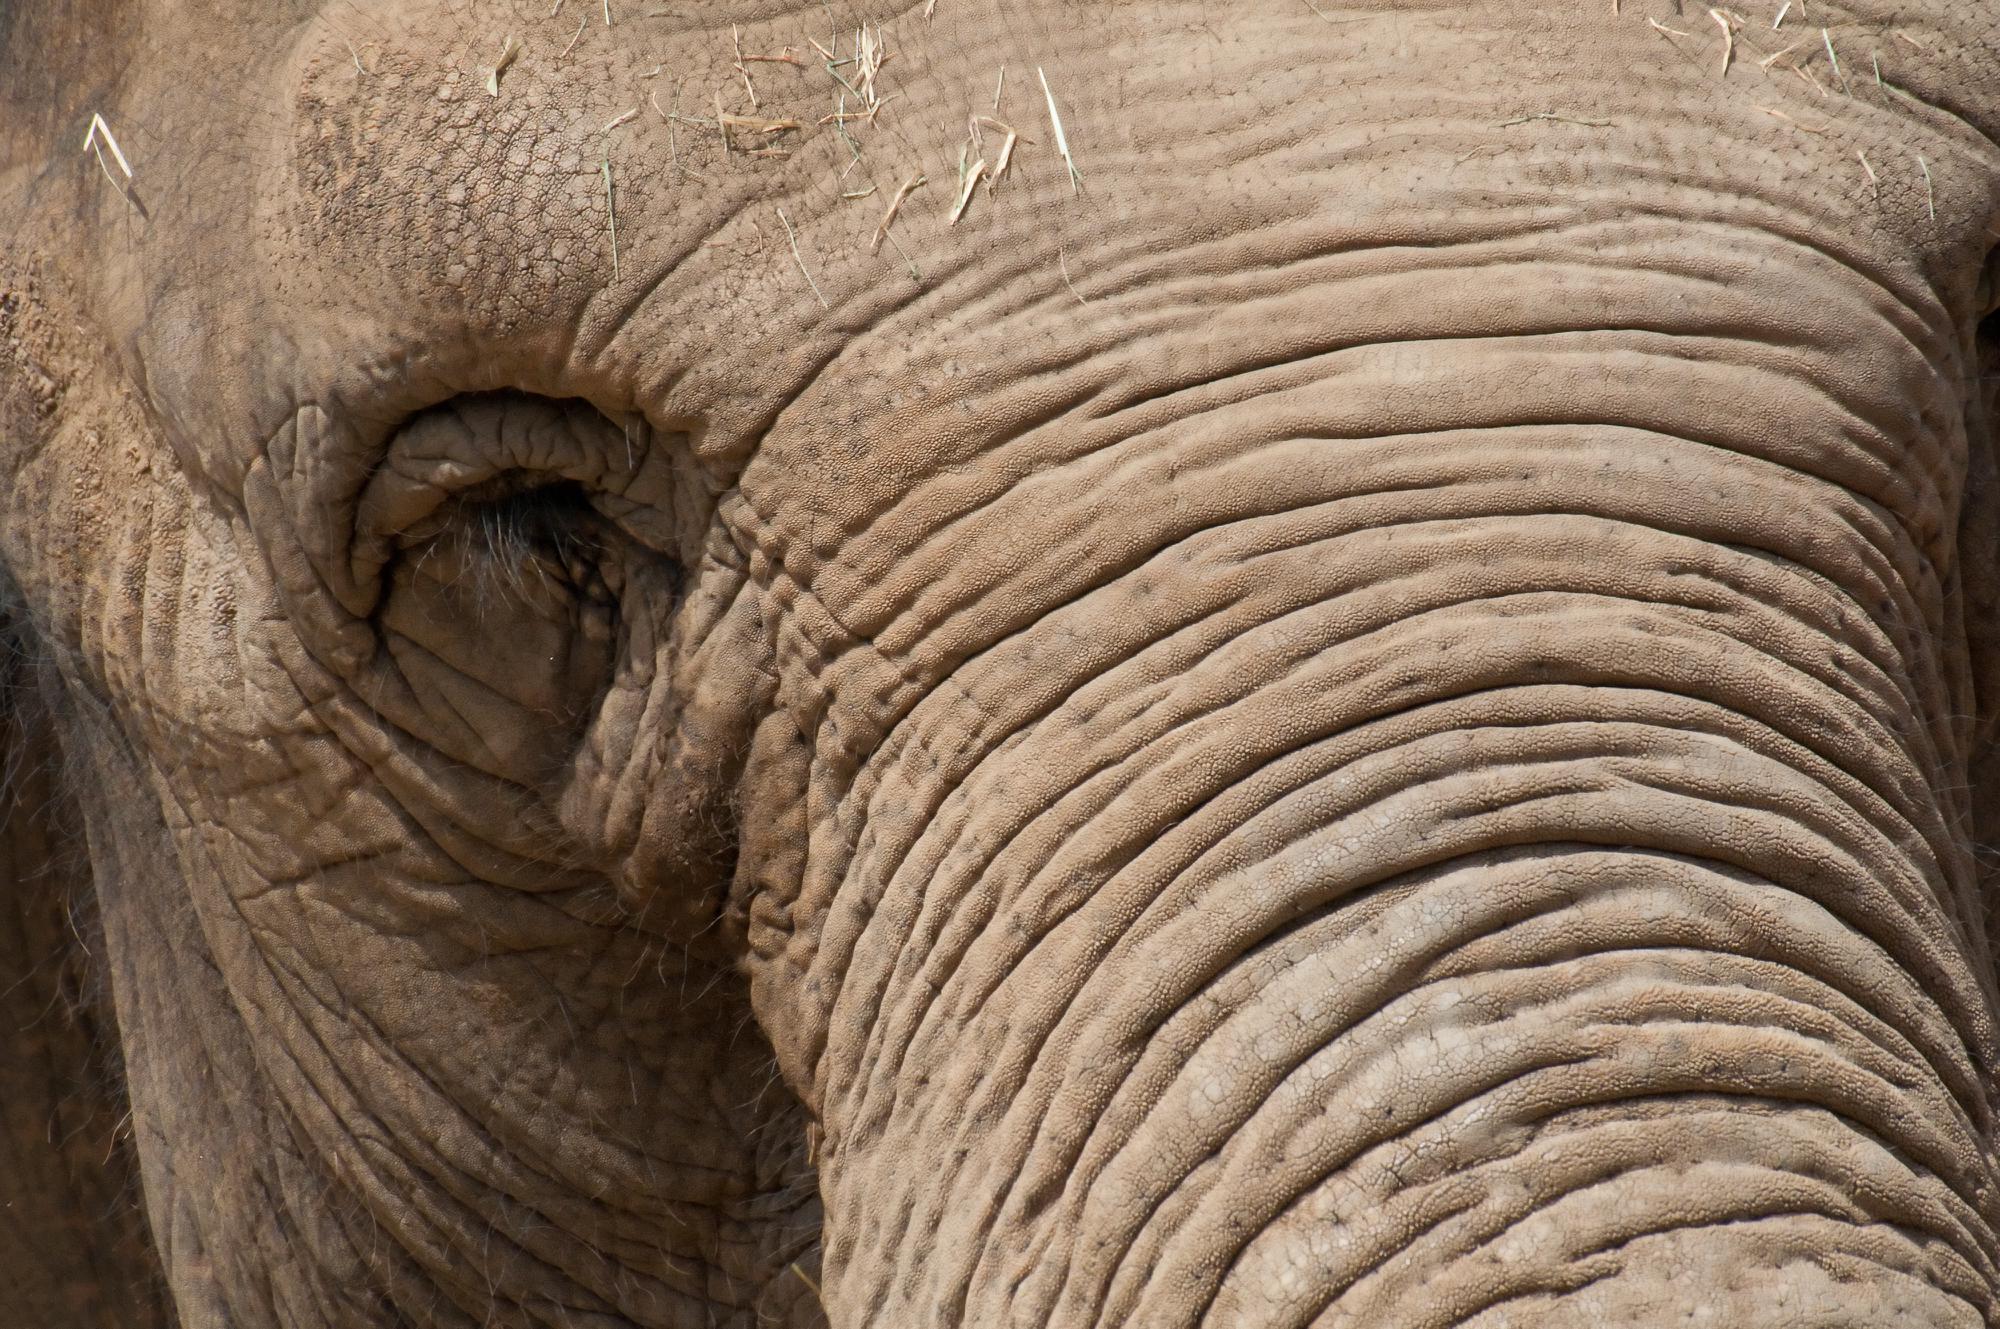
(1098, 735)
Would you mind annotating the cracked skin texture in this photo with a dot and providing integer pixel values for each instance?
(1382, 717)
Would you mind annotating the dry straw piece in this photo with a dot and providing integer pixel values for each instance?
(1062, 140)
(1552, 116)
(736, 41)
(673, 119)
(611, 217)
(1729, 23)
(873, 54)
(799, 258)
(95, 140)
(1776, 56)
(907, 188)
(1062, 261)
(1005, 160)
(1792, 120)
(99, 130)
(757, 124)
(841, 117)
(508, 52)
(965, 191)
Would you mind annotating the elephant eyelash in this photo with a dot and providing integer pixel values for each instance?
(518, 540)
(551, 520)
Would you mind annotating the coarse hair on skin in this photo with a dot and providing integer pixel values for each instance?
(37, 776)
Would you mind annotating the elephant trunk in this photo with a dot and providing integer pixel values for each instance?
(1480, 838)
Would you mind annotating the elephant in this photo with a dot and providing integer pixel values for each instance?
(999, 663)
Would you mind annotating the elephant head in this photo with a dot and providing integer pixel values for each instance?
(1000, 662)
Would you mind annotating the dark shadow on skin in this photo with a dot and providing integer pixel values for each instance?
(73, 1230)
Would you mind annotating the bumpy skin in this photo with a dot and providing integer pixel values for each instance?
(1379, 714)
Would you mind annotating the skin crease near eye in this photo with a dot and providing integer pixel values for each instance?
(1290, 665)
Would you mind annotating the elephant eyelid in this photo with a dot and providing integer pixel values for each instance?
(491, 445)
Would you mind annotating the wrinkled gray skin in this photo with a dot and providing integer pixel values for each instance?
(1379, 715)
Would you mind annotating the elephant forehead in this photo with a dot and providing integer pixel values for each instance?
(718, 212)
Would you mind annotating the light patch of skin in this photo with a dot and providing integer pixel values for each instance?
(1363, 719)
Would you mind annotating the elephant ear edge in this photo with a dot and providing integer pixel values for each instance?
(74, 1245)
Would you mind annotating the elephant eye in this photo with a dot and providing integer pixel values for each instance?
(523, 547)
